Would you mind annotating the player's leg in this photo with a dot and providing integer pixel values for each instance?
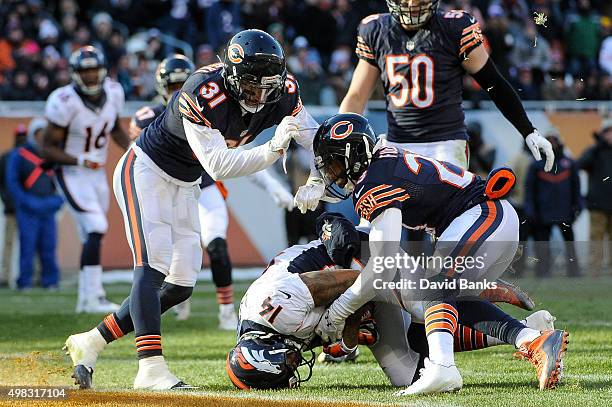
(541, 234)
(567, 231)
(214, 221)
(80, 187)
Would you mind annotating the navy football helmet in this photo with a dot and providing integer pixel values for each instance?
(340, 238)
(254, 69)
(88, 58)
(343, 148)
(172, 72)
(412, 14)
(264, 360)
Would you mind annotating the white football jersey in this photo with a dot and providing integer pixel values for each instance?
(88, 129)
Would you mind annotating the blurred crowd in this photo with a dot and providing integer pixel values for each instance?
(568, 56)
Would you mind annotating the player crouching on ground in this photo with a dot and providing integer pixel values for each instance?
(281, 309)
(392, 187)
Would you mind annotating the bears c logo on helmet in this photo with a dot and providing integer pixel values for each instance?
(235, 53)
(339, 136)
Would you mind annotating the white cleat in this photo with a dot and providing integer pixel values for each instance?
(434, 379)
(228, 320)
(541, 321)
(83, 350)
(154, 374)
(182, 310)
(99, 305)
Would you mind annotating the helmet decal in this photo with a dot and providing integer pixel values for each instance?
(339, 136)
(235, 53)
(259, 361)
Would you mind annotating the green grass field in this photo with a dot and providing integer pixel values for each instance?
(34, 325)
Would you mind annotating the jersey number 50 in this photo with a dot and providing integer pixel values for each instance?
(411, 87)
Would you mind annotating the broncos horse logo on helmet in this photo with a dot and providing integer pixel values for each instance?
(264, 360)
(171, 73)
(254, 69)
(412, 14)
(84, 60)
(343, 158)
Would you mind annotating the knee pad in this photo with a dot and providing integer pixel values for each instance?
(90, 256)
(172, 294)
(220, 264)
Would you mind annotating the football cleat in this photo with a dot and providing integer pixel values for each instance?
(182, 310)
(327, 358)
(510, 294)
(83, 376)
(155, 375)
(546, 354)
(228, 320)
(100, 305)
(83, 350)
(434, 379)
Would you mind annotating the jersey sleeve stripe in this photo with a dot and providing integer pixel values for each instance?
(382, 195)
(469, 37)
(370, 192)
(298, 107)
(469, 45)
(368, 212)
(188, 104)
(471, 28)
(362, 42)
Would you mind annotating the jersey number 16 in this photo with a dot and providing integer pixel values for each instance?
(415, 88)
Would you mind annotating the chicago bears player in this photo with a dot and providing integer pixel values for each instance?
(170, 76)
(421, 55)
(281, 309)
(392, 187)
(82, 117)
(219, 107)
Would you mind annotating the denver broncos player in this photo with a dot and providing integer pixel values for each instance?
(392, 187)
(220, 107)
(170, 76)
(82, 116)
(281, 309)
(421, 55)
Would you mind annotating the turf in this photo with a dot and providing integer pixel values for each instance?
(34, 325)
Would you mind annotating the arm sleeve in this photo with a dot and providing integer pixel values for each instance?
(504, 97)
(218, 160)
(263, 179)
(385, 236)
(308, 127)
(586, 160)
(13, 184)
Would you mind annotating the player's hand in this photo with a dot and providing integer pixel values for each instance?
(308, 195)
(280, 195)
(86, 161)
(330, 327)
(338, 349)
(285, 131)
(536, 142)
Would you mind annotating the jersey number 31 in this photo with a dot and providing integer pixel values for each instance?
(416, 88)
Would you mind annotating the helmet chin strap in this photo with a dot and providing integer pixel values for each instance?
(249, 109)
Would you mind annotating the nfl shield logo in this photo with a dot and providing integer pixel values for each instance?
(410, 45)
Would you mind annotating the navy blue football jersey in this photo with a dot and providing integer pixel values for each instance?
(204, 100)
(421, 73)
(147, 115)
(430, 193)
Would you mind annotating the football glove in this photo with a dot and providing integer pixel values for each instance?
(285, 131)
(280, 195)
(308, 195)
(536, 142)
(330, 327)
(338, 349)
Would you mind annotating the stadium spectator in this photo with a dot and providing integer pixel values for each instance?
(205, 55)
(19, 88)
(30, 183)
(222, 22)
(553, 199)
(582, 40)
(526, 86)
(597, 162)
(10, 222)
(605, 52)
(556, 89)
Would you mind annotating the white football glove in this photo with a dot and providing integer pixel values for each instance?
(308, 195)
(285, 131)
(280, 195)
(536, 142)
(330, 326)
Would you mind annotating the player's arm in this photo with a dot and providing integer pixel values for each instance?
(362, 85)
(384, 240)
(483, 70)
(326, 286)
(120, 135)
(266, 181)
(53, 151)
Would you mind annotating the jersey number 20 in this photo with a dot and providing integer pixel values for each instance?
(416, 88)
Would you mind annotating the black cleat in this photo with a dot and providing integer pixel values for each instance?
(183, 386)
(83, 376)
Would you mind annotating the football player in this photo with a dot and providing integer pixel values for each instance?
(281, 309)
(82, 117)
(421, 55)
(392, 187)
(220, 107)
(170, 76)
